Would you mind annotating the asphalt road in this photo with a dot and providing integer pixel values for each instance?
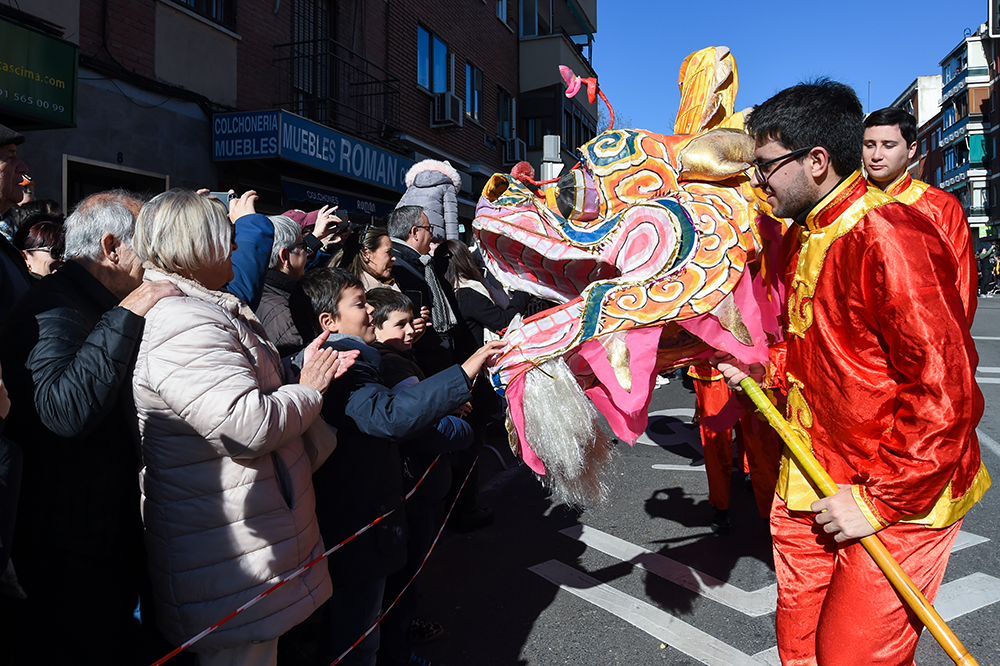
(644, 581)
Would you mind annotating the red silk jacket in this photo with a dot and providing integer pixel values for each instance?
(946, 212)
(879, 363)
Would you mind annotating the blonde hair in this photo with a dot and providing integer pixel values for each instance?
(180, 231)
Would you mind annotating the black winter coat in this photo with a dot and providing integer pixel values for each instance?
(362, 478)
(68, 352)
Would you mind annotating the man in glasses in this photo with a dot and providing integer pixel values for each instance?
(878, 370)
(890, 143)
(289, 255)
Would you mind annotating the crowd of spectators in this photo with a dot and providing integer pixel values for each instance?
(198, 400)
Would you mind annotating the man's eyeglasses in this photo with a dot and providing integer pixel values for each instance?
(763, 170)
(427, 227)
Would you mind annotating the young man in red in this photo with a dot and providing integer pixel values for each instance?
(879, 371)
(889, 145)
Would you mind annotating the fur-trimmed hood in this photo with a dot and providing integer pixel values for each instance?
(434, 165)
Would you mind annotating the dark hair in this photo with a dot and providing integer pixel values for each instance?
(386, 301)
(893, 115)
(45, 234)
(31, 212)
(819, 113)
(460, 263)
(26, 224)
(369, 239)
(319, 291)
(402, 220)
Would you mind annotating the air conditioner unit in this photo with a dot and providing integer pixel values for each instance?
(514, 151)
(446, 111)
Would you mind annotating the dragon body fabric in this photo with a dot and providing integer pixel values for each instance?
(645, 247)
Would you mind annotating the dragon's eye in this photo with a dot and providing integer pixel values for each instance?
(577, 197)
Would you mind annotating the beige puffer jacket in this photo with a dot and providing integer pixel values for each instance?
(228, 503)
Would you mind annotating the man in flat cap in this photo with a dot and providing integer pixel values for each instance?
(14, 278)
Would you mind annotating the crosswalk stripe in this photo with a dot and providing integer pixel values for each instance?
(965, 540)
(967, 594)
(681, 468)
(659, 624)
(754, 604)
(987, 369)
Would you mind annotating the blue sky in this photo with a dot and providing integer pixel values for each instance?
(640, 44)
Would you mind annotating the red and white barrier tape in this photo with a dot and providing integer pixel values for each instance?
(176, 651)
(419, 569)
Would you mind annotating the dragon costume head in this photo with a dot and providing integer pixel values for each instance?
(644, 246)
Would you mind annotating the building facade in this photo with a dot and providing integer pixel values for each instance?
(309, 102)
(965, 94)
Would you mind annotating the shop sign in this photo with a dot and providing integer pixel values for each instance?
(37, 76)
(265, 134)
(314, 197)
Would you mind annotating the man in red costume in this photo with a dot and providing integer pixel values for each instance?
(712, 394)
(878, 368)
(890, 143)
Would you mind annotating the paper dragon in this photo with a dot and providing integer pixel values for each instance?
(644, 245)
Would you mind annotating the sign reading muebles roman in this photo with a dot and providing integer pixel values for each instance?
(37, 77)
(274, 133)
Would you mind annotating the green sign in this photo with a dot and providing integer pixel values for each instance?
(37, 76)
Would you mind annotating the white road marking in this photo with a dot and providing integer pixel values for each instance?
(967, 594)
(984, 337)
(769, 657)
(987, 369)
(682, 468)
(967, 540)
(754, 604)
(657, 623)
(692, 437)
(988, 380)
(990, 443)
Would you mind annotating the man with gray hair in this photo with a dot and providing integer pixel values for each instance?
(413, 271)
(68, 350)
(289, 255)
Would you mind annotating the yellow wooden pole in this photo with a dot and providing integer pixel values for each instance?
(913, 597)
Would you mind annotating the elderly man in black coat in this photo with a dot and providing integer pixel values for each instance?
(67, 350)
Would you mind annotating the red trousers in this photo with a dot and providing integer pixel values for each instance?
(835, 607)
(762, 447)
(711, 397)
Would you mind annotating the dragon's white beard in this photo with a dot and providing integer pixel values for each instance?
(560, 425)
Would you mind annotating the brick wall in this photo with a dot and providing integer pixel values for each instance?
(130, 32)
(474, 34)
(257, 74)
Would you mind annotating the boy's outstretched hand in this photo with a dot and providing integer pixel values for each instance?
(485, 356)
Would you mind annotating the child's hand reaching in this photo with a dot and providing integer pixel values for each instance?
(485, 356)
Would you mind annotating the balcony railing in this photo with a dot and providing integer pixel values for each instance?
(324, 81)
(976, 211)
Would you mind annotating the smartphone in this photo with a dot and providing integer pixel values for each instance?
(223, 197)
(417, 298)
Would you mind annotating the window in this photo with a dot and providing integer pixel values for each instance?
(502, 10)
(536, 17)
(311, 27)
(949, 116)
(923, 146)
(220, 11)
(432, 61)
(473, 92)
(949, 159)
(505, 114)
(937, 177)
